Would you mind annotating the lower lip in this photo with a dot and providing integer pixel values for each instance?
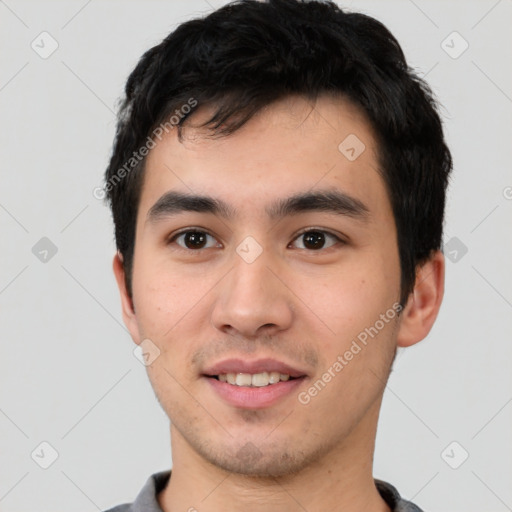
(254, 397)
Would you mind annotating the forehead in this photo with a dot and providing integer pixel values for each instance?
(292, 146)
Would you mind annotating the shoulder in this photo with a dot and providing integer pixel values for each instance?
(392, 497)
(127, 507)
(146, 500)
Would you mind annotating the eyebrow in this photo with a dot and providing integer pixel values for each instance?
(329, 201)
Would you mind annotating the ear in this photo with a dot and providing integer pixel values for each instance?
(129, 317)
(424, 302)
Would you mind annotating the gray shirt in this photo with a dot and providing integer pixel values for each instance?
(146, 500)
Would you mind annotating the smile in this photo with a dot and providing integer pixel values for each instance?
(258, 380)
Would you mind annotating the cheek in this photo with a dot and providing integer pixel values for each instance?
(354, 295)
(359, 306)
(163, 295)
(172, 308)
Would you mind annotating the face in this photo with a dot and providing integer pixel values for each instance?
(283, 279)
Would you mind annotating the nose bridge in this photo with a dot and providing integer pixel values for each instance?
(252, 297)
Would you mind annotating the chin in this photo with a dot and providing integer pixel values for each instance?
(268, 461)
(262, 466)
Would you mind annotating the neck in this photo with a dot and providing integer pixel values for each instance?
(342, 480)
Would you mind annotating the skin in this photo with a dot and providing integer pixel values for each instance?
(295, 304)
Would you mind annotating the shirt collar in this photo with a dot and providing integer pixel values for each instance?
(146, 500)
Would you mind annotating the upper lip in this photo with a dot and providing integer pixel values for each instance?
(256, 366)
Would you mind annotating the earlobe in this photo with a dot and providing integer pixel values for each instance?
(424, 301)
(129, 317)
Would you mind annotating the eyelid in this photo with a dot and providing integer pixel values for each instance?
(172, 238)
(315, 229)
(176, 234)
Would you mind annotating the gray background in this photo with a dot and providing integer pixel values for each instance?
(68, 373)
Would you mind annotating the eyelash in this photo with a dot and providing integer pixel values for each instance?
(338, 240)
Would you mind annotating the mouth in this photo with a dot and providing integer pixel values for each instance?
(253, 384)
(255, 380)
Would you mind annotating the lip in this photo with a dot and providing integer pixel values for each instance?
(256, 366)
(253, 397)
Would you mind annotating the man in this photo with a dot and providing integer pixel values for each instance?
(277, 187)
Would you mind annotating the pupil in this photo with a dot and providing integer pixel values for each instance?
(195, 239)
(314, 240)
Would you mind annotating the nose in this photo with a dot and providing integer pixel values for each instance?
(251, 300)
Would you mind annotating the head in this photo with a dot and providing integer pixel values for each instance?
(277, 116)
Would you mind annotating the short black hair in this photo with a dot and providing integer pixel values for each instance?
(249, 54)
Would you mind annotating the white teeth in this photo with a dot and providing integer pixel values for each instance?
(243, 379)
(253, 380)
(274, 377)
(260, 379)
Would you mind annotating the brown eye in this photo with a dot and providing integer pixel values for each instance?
(194, 240)
(315, 240)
